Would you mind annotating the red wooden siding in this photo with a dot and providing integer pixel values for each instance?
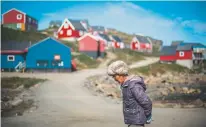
(168, 58)
(90, 44)
(11, 17)
(87, 44)
(116, 44)
(187, 55)
(133, 45)
(74, 33)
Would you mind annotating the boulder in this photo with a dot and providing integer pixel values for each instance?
(171, 89)
(16, 102)
(198, 102)
(185, 89)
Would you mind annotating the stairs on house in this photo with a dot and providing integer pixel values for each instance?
(20, 66)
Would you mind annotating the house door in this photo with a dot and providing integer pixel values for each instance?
(98, 49)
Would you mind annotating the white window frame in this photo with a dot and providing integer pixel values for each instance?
(61, 32)
(18, 25)
(181, 54)
(69, 32)
(19, 16)
(12, 57)
(66, 26)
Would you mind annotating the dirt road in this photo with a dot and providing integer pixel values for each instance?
(64, 102)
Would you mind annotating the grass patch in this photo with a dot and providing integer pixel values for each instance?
(20, 36)
(159, 68)
(73, 45)
(127, 56)
(86, 61)
(14, 82)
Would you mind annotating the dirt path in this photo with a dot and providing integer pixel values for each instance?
(110, 56)
(147, 61)
(64, 102)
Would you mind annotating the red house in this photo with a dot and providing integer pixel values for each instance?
(141, 43)
(116, 42)
(168, 54)
(70, 30)
(91, 45)
(18, 20)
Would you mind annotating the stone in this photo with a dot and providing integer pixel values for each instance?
(171, 89)
(164, 93)
(198, 91)
(191, 91)
(185, 89)
(198, 102)
(177, 89)
(16, 102)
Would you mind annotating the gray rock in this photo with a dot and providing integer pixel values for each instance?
(16, 102)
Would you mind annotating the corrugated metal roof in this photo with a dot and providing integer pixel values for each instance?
(142, 39)
(168, 50)
(197, 45)
(104, 36)
(98, 28)
(77, 24)
(12, 45)
(184, 47)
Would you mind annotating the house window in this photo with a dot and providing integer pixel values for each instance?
(57, 57)
(29, 20)
(181, 54)
(18, 25)
(19, 16)
(57, 63)
(61, 32)
(42, 63)
(69, 32)
(10, 58)
(66, 26)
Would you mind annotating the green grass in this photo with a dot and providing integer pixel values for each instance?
(87, 61)
(14, 82)
(155, 68)
(20, 36)
(73, 45)
(127, 56)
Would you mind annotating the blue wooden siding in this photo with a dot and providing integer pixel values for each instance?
(45, 51)
(5, 64)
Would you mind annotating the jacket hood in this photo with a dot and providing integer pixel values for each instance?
(138, 79)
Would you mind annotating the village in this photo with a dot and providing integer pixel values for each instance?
(46, 73)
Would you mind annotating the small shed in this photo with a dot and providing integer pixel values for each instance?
(49, 55)
(168, 54)
(13, 54)
(91, 45)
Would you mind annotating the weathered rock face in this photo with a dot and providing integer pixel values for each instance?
(168, 89)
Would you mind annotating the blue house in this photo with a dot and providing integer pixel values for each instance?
(49, 55)
(13, 55)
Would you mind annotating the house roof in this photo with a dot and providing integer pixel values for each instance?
(175, 43)
(116, 38)
(77, 24)
(15, 10)
(142, 39)
(104, 36)
(184, 47)
(12, 45)
(168, 50)
(95, 37)
(98, 28)
(196, 45)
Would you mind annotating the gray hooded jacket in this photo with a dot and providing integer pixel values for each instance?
(136, 104)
